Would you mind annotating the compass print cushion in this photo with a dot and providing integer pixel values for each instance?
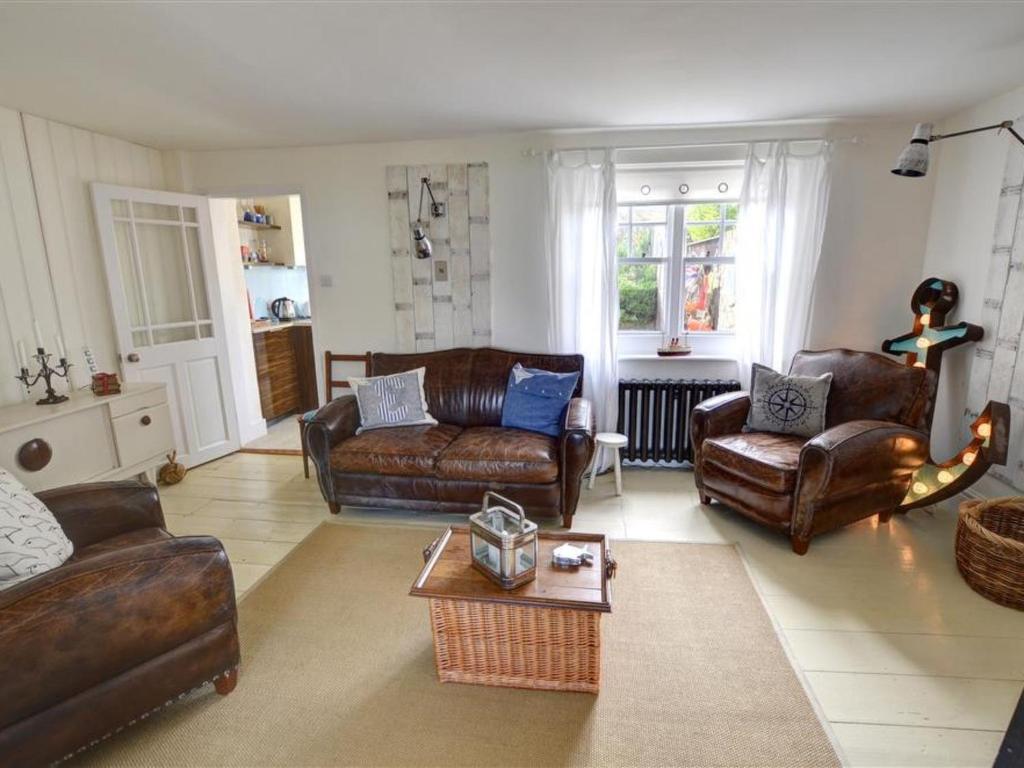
(792, 405)
(31, 539)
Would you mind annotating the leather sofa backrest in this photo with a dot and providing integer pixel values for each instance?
(867, 385)
(466, 386)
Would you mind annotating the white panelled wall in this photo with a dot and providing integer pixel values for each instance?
(50, 263)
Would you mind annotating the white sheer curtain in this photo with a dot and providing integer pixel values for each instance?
(782, 220)
(582, 284)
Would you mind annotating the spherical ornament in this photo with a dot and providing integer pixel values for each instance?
(172, 472)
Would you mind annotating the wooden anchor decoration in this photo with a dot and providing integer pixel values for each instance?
(924, 347)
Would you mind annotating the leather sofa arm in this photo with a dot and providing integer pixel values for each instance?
(867, 459)
(86, 622)
(335, 422)
(579, 416)
(576, 449)
(719, 415)
(93, 512)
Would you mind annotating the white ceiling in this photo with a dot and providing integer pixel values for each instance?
(203, 75)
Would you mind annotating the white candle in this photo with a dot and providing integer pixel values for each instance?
(22, 357)
(39, 334)
(61, 352)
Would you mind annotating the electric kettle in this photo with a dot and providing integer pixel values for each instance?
(283, 308)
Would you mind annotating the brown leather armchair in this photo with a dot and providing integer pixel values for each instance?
(448, 467)
(134, 620)
(877, 422)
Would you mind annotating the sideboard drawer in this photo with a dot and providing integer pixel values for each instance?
(81, 443)
(143, 434)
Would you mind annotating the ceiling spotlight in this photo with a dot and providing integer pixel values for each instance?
(684, 188)
(723, 187)
(913, 160)
(645, 189)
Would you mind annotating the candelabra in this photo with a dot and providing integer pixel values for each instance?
(46, 373)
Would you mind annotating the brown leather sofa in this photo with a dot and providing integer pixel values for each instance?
(448, 467)
(877, 422)
(135, 619)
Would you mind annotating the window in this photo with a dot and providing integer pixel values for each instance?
(677, 268)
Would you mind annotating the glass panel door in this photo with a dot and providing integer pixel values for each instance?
(161, 265)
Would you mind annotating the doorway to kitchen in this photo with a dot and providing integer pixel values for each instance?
(262, 264)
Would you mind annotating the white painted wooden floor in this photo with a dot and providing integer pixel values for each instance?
(280, 436)
(906, 663)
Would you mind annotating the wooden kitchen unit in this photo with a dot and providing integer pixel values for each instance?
(285, 368)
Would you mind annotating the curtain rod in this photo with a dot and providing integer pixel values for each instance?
(534, 152)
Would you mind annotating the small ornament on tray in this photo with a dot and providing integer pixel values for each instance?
(571, 556)
(675, 348)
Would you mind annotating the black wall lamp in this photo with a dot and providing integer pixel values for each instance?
(913, 160)
(424, 248)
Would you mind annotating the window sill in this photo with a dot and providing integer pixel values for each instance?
(678, 358)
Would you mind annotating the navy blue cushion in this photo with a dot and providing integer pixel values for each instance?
(536, 400)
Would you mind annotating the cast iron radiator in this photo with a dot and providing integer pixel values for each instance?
(654, 415)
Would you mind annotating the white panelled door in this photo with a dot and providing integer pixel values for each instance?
(158, 253)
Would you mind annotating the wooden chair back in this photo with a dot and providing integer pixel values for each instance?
(331, 383)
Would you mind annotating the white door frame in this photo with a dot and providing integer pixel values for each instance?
(135, 360)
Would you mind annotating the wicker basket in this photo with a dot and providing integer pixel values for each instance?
(516, 646)
(990, 548)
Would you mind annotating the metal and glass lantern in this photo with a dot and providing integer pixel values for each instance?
(503, 543)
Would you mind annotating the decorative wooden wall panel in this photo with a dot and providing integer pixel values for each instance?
(51, 267)
(433, 313)
(997, 372)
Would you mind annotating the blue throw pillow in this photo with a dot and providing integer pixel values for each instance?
(536, 400)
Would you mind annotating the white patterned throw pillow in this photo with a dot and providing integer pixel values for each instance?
(793, 405)
(396, 400)
(31, 539)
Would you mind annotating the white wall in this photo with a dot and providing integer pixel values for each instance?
(51, 268)
(968, 173)
(237, 329)
(874, 241)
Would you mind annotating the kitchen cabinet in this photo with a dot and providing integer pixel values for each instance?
(285, 369)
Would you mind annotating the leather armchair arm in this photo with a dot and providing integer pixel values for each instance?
(719, 415)
(869, 462)
(576, 449)
(93, 512)
(88, 621)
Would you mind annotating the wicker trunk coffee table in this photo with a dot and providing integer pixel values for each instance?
(544, 635)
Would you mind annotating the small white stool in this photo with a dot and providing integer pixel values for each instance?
(612, 441)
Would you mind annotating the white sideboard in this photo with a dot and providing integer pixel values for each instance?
(87, 438)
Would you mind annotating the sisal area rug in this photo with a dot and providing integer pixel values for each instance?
(338, 669)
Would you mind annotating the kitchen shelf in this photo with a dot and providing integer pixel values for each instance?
(254, 225)
(277, 264)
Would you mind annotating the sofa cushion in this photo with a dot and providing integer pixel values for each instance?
(396, 400)
(500, 454)
(394, 450)
(31, 540)
(765, 459)
(535, 400)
